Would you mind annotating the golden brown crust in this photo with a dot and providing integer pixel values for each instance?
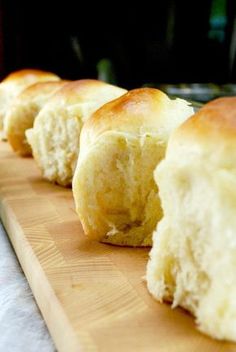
(27, 74)
(138, 102)
(147, 107)
(41, 88)
(80, 91)
(215, 122)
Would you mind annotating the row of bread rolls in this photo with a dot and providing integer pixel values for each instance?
(119, 139)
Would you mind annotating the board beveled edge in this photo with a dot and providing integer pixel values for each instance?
(65, 339)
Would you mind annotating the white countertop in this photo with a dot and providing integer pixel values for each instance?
(22, 328)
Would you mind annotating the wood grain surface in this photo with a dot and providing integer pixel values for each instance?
(91, 295)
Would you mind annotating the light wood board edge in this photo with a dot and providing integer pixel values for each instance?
(65, 339)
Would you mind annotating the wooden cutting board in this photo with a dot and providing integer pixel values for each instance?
(92, 296)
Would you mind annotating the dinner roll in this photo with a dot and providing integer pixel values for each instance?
(23, 110)
(115, 194)
(193, 259)
(56, 133)
(17, 81)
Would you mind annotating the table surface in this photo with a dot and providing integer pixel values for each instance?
(22, 327)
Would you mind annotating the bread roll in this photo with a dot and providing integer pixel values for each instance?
(56, 133)
(115, 194)
(17, 81)
(193, 259)
(23, 110)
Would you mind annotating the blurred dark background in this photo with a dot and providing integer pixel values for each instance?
(169, 41)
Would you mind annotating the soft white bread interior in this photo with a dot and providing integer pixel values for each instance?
(23, 110)
(193, 259)
(115, 194)
(56, 133)
(17, 81)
